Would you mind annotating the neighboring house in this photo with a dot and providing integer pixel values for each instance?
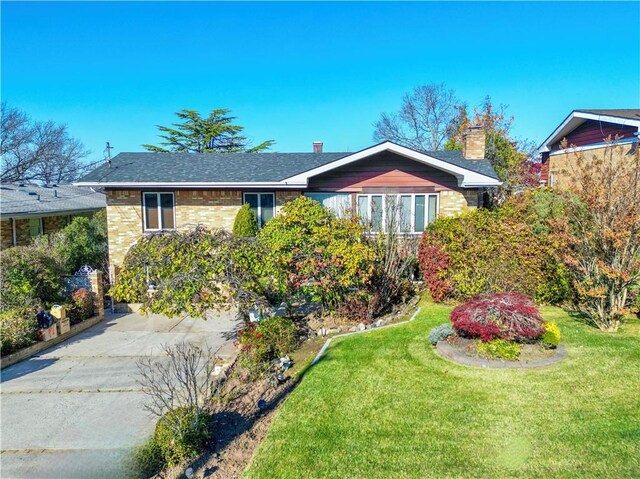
(587, 130)
(149, 192)
(28, 211)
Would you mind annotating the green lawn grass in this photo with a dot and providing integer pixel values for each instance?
(385, 405)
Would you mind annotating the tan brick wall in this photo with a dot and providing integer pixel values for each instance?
(23, 237)
(283, 196)
(6, 233)
(562, 165)
(211, 208)
(54, 223)
(456, 202)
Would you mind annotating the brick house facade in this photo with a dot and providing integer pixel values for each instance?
(590, 133)
(209, 188)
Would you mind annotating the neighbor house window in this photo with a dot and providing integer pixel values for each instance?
(551, 178)
(263, 206)
(407, 213)
(339, 203)
(35, 227)
(159, 211)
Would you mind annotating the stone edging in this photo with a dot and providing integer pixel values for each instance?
(40, 346)
(328, 341)
(448, 352)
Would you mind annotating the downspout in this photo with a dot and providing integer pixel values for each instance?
(13, 232)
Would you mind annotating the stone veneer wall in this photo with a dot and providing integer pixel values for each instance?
(211, 208)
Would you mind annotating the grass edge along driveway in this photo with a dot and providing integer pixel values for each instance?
(385, 405)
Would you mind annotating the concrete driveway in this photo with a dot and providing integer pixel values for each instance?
(75, 411)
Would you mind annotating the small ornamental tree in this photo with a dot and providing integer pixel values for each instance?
(246, 223)
(601, 231)
(508, 316)
(192, 272)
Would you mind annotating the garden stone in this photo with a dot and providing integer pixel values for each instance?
(353, 329)
(361, 327)
(379, 323)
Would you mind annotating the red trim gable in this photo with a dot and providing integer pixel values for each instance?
(592, 132)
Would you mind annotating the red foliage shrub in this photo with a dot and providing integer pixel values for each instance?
(355, 309)
(510, 316)
(434, 263)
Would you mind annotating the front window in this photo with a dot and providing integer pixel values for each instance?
(263, 206)
(406, 213)
(159, 211)
(35, 227)
(339, 203)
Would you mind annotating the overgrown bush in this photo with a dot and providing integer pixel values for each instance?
(355, 309)
(509, 316)
(30, 277)
(246, 224)
(440, 333)
(83, 241)
(181, 434)
(491, 251)
(262, 342)
(551, 336)
(148, 460)
(312, 252)
(18, 329)
(194, 271)
(82, 303)
(499, 349)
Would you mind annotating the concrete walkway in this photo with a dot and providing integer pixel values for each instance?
(75, 411)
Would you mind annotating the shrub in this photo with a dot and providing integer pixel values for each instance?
(492, 251)
(262, 342)
(434, 264)
(181, 434)
(148, 460)
(195, 271)
(82, 303)
(509, 316)
(18, 328)
(30, 277)
(355, 309)
(312, 252)
(551, 336)
(83, 241)
(440, 333)
(246, 223)
(499, 348)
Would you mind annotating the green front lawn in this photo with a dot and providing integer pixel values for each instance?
(385, 405)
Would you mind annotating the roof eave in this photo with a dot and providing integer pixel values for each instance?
(200, 185)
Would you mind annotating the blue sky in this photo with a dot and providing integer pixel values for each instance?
(299, 72)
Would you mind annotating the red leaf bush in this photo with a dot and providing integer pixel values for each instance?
(509, 316)
(434, 263)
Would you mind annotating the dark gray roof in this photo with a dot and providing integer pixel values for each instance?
(32, 200)
(234, 167)
(629, 113)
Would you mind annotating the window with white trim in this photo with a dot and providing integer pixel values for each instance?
(407, 213)
(159, 211)
(339, 203)
(552, 178)
(263, 206)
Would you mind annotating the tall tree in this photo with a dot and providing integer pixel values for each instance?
(214, 134)
(427, 118)
(38, 151)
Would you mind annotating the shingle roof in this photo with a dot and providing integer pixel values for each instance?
(31, 200)
(234, 167)
(629, 113)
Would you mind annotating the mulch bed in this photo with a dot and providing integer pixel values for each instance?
(463, 351)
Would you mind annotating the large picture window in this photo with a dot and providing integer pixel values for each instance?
(263, 206)
(159, 211)
(407, 213)
(339, 203)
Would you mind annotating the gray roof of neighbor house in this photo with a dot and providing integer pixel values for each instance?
(33, 200)
(234, 167)
(629, 113)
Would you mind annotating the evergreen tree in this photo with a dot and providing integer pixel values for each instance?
(214, 134)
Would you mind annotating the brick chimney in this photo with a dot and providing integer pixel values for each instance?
(473, 143)
(317, 147)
